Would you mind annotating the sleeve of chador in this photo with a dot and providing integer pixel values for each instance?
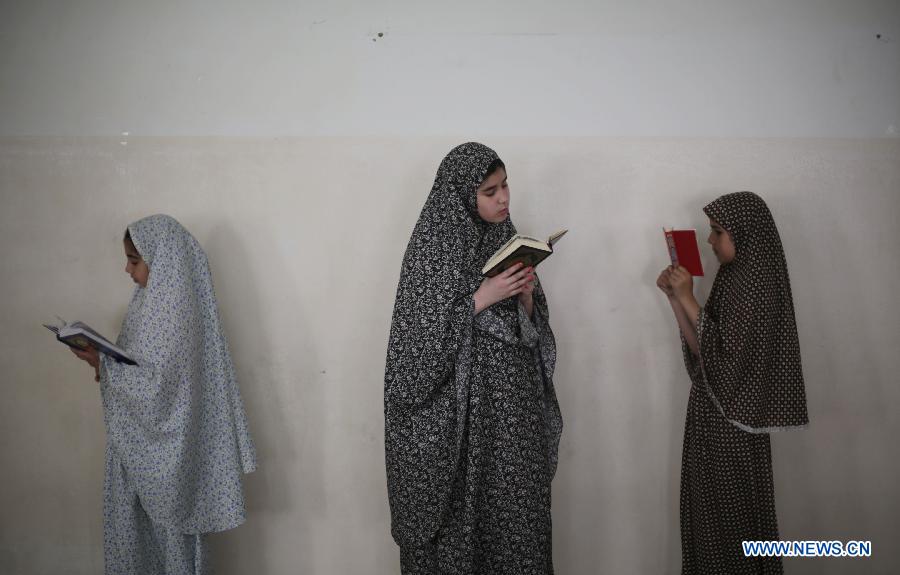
(728, 361)
(434, 307)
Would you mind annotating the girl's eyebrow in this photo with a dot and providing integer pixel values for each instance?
(494, 186)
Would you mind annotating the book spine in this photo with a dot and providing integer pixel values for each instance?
(673, 253)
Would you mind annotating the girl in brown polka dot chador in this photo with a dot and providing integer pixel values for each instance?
(743, 356)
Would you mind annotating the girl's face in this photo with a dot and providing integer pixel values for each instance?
(136, 267)
(493, 197)
(720, 240)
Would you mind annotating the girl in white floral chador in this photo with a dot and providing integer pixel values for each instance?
(177, 437)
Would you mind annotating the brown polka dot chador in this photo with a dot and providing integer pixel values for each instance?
(746, 383)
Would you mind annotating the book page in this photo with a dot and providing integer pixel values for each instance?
(555, 237)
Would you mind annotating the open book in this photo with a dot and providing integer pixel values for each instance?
(683, 250)
(81, 336)
(519, 248)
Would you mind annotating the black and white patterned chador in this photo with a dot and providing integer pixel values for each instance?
(472, 424)
(747, 381)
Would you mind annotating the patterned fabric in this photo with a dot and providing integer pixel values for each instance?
(175, 422)
(135, 545)
(747, 382)
(472, 424)
(727, 494)
(749, 349)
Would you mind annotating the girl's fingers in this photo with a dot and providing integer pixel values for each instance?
(512, 269)
(516, 280)
(523, 275)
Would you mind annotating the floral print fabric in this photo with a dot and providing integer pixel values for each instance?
(472, 424)
(176, 427)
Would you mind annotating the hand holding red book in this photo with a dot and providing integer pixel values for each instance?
(683, 250)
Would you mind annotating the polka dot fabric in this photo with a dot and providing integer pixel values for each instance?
(472, 424)
(727, 494)
(176, 428)
(746, 382)
(749, 349)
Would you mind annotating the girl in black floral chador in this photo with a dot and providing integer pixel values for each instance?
(472, 424)
(743, 357)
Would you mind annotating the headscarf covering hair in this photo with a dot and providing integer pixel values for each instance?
(429, 355)
(749, 348)
(176, 420)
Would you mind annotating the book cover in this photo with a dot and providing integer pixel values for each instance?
(527, 250)
(79, 335)
(683, 250)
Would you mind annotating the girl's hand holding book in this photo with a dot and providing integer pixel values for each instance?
(526, 298)
(92, 356)
(681, 282)
(513, 281)
(664, 282)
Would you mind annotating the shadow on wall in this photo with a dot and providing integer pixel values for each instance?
(672, 383)
(285, 497)
(833, 479)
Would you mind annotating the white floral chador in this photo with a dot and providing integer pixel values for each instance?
(177, 437)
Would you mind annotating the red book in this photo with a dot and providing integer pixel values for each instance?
(683, 250)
